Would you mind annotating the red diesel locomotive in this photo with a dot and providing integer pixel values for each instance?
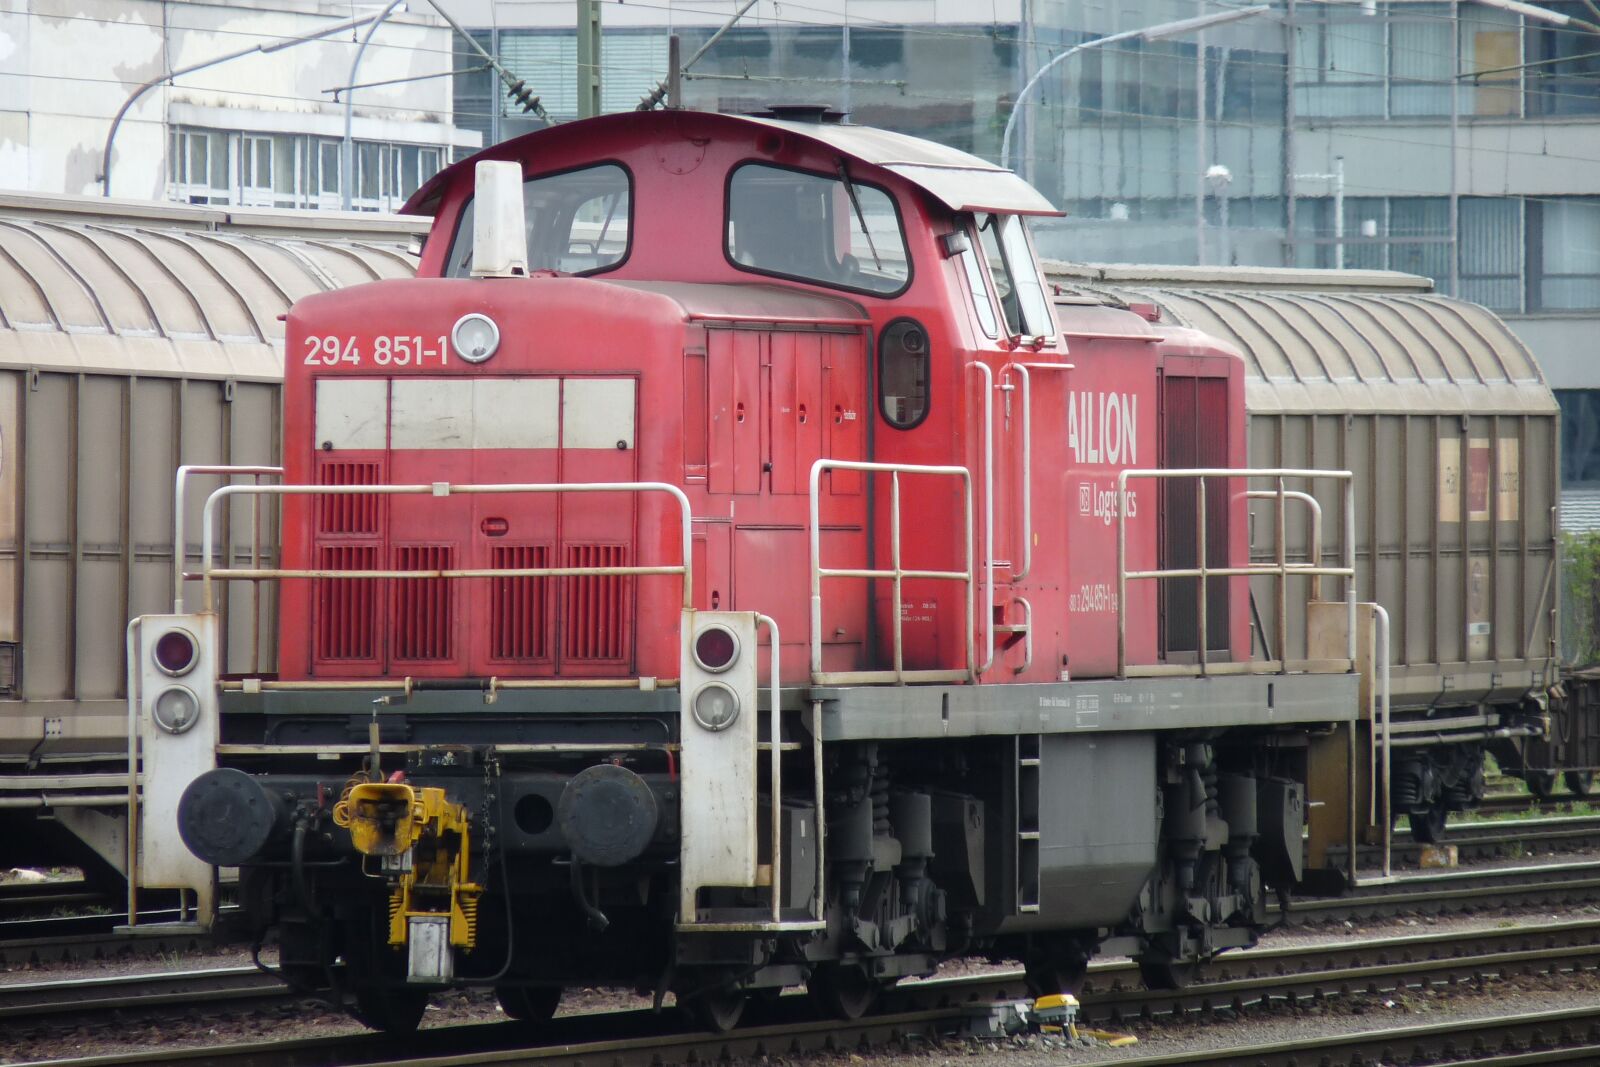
(719, 571)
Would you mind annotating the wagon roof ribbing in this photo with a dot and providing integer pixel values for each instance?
(1336, 341)
(165, 289)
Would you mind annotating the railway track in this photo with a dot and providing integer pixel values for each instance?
(1497, 839)
(926, 1010)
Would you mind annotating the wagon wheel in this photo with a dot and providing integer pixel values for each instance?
(392, 1009)
(1580, 782)
(1427, 824)
(528, 1004)
(1057, 976)
(717, 1010)
(1541, 784)
(1060, 971)
(1167, 973)
(842, 991)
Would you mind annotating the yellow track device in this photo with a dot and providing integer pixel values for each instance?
(422, 838)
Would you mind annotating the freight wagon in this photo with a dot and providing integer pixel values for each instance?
(134, 338)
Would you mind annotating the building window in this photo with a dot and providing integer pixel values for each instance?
(201, 167)
(1491, 252)
(1401, 61)
(1566, 79)
(1580, 437)
(1564, 270)
(294, 170)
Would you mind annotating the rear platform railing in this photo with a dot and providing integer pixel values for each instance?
(1280, 569)
(210, 573)
(897, 573)
(180, 546)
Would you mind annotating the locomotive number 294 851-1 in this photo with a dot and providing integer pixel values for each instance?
(328, 350)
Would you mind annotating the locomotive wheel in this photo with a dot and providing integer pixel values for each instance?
(717, 1010)
(395, 1010)
(1541, 784)
(1580, 782)
(528, 1004)
(842, 991)
(1166, 973)
(1427, 826)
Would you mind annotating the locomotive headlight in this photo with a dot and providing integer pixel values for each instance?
(176, 709)
(715, 648)
(174, 652)
(475, 337)
(715, 706)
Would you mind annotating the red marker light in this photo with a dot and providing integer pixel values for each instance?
(175, 652)
(715, 648)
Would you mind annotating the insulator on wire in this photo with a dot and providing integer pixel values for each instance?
(651, 100)
(523, 96)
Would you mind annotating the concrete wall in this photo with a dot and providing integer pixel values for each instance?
(66, 67)
(1565, 346)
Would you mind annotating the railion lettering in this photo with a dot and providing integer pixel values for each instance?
(1103, 427)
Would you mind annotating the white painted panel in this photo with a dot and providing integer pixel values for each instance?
(717, 769)
(172, 761)
(351, 411)
(597, 412)
(431, 413)
(515, 412)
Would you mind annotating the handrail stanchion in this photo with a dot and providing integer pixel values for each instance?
(896, 573)
(988, 514)
(775, 758)
(1201, 597)
(1023, 375)
(1381, 617)
(1280, 569)
(899, 574)
(1283, 587)
(1122, 575)
(179, 491)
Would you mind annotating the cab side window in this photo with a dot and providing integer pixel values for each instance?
(1016, 279)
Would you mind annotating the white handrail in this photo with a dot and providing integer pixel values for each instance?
(1281, 569)
(988, 514)
(1382, 618)
(1022, 369)
(897, 573)
(775, 760)
(179, 490)
(447, 489)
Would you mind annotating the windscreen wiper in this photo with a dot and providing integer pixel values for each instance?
(844, 176)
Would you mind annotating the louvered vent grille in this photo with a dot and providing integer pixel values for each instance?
(594, 614)
(347, 608)
(422, 606)
(355, 513)
(519, 607)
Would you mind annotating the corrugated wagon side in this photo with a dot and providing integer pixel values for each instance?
(1446, 421)
(134, 339)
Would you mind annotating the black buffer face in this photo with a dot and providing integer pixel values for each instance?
(608, 815)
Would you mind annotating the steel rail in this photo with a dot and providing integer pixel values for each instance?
(935, 1007)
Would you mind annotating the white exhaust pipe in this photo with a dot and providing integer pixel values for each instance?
(499, 227)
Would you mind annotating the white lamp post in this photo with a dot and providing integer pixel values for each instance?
(1149, 33)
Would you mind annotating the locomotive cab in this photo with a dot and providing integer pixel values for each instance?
(719, 570)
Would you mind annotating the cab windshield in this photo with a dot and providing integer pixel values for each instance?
(577, 222)
(817, 228)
